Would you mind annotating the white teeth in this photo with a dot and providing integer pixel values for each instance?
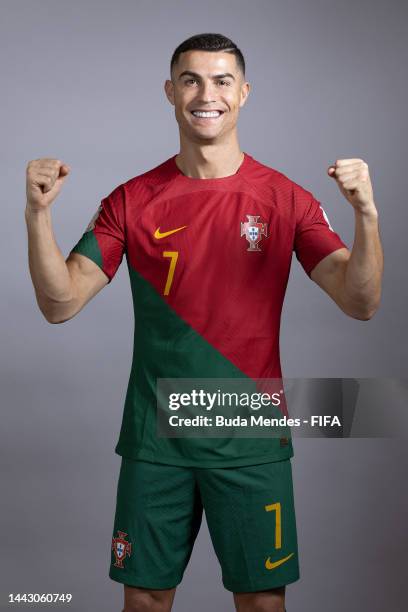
(206, 114)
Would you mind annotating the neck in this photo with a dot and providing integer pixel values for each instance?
(209, 160)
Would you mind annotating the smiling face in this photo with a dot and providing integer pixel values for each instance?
(203, 81)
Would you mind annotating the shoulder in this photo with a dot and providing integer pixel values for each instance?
(144, 186)
(274, 182)
(264, 173)
(272, 174)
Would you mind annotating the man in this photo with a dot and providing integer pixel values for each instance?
(208, 236)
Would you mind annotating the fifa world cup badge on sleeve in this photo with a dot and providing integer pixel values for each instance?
(92, 222)
(121, 547)
(253, 231)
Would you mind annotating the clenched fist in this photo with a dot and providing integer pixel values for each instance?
(353, 178)
(44, 179)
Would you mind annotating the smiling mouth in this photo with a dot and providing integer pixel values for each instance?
(207, 116)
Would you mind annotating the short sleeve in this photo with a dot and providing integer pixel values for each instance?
(315, 238)
(104, 238)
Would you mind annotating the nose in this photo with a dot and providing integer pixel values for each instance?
(207, 92)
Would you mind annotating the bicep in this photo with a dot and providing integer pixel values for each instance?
(329, 274)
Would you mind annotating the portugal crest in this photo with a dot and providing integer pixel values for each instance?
(253, 230)
(121, 547)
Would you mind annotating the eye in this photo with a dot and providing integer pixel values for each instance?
(226, 82)
(189, 81)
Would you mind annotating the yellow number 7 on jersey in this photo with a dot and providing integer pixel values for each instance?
(174, 256)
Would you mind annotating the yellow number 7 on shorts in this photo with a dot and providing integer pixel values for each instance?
(278, 535)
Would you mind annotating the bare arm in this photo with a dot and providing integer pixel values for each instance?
(353, 279)
(62, 287)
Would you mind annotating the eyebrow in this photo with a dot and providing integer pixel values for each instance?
(216, 76)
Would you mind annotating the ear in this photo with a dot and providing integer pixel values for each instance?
(169, 89)
(245, 89)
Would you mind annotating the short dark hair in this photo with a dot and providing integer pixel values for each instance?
(209, 42)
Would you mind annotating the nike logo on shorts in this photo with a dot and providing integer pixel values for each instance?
(270, 565)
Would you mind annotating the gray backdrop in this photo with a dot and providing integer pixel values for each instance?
(83, 81)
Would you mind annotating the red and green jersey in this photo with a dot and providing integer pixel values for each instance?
(209, 261)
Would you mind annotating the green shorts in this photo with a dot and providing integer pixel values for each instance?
(250, 515)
